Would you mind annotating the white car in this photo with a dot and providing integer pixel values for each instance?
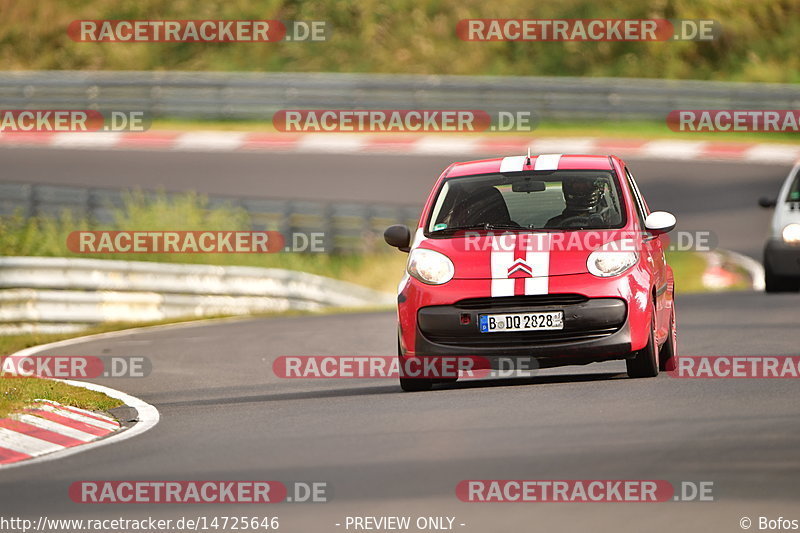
(782, 251)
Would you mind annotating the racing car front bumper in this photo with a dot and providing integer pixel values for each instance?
(595, 329)
(782, 259)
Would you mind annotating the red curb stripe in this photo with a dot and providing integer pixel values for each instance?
(87, 415)
(164, 139)
(502, 146)
(727, 149)
(18, 137)
(619, 145)
(39, 433)
(390, 142)
(10, 456)
(86, 428)
(260, 141)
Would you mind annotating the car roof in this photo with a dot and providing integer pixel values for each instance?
(537, 162)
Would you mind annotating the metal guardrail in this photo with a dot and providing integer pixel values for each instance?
(47, 294)
(346, 227)
(242, 95)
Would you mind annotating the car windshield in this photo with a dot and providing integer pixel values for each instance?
(560, 200)
(794, 191)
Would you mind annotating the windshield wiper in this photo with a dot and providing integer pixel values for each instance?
(485, 226)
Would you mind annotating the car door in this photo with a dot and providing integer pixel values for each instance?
(653, 251)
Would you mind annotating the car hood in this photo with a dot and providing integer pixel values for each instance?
(519, 254)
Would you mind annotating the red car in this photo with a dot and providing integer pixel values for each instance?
(554, 259)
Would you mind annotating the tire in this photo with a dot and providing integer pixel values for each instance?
(668, 352)
(774, 283)
(412, 384)
(644, 363)
(415, 385)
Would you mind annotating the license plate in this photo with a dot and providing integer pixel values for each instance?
(499, 323)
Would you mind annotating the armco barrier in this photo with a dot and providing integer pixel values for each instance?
(347, 227)
(59, 294)
(256, 95)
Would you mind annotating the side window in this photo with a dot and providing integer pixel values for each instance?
(637, 197)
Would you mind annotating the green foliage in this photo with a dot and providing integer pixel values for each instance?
(44, 236)
(759, 40)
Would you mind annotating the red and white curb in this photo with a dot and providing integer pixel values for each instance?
(46, 427)
(431, 144)
(61, 431)
(717, 277)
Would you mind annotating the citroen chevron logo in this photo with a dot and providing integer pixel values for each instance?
(520, 269)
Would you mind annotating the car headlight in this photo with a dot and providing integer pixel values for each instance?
(791, 234)
(613, 258)
(430, 267)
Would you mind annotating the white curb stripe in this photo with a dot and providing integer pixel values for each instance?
(89, 139)
(19, 442)
(49, 425)
(321, 142)
(346, 143)
(771, 153)
(670, 149)
(90, 414)
(78, 418)
(209, 140)
(567, 145)
(435, 145)
(753, 267)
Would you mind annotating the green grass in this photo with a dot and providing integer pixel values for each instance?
(758, 41)
(46, 237)
(16, 393)
(688, 268)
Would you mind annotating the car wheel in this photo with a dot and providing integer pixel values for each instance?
(776, 283)
(666, 356)
(412, 384)
(644, 363)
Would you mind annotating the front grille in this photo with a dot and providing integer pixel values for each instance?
(506, 302)
(516, 339)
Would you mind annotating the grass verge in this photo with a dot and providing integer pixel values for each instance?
(17, 392)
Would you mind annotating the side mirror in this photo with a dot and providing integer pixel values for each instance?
(767, 203)
(398, 236)
(660, 222)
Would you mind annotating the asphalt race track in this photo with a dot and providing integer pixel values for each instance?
(225, 416)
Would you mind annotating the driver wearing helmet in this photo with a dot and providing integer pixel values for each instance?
(582, 197)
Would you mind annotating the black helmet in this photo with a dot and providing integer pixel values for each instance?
(582, 194)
